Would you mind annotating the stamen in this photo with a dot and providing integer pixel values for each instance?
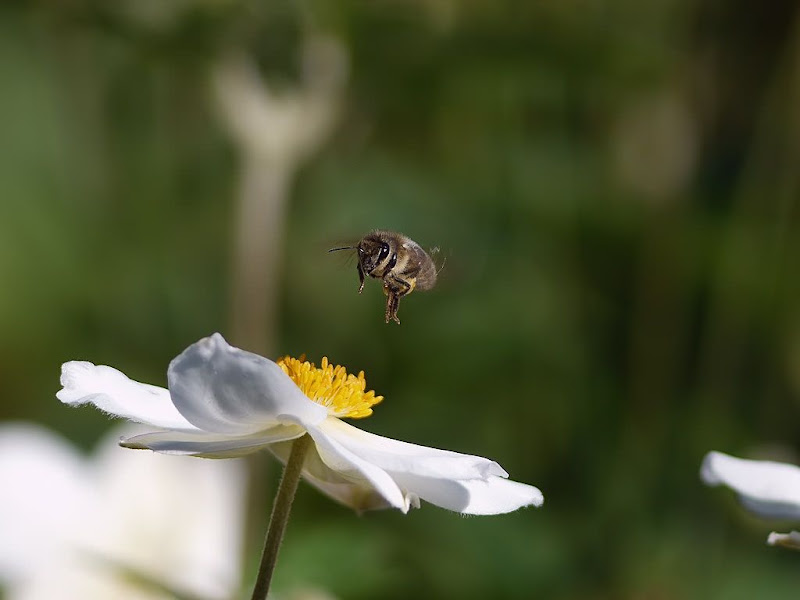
(331, 386)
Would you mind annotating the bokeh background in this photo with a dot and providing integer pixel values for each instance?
(613, 187)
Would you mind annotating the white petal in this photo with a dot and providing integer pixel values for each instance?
(223, 389)
(175, 520)
(46, 488)
(112, 392)
(350, 467)
(359, 497)
(211, 445)
(458, 482)
(491, 496)
(769, 489)
(789, 540)
(401, 457)
(71, 527)
(76, 580)
(358, 494)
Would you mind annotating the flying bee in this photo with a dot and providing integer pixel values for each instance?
(399, 261)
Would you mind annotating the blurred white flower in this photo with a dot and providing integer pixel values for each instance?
(789, 540)
(116, 524)
(223, 402)
(766, 488)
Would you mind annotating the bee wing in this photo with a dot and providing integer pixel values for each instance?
(438, 258)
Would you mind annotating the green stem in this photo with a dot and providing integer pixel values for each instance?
(280, 515)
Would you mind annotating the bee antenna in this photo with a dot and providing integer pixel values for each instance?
(342, 248)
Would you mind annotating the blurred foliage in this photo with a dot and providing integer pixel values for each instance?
(613, 186)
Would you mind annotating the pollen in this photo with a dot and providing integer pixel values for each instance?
(331, 386)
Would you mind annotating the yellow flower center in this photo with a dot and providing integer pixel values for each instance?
(331, 386)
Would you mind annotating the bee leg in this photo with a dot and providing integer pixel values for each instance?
(395, 288)
(392, 302)
(395, 306)
(389, 300)
(360, 278)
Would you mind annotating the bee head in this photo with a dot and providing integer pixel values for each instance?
(373, 255)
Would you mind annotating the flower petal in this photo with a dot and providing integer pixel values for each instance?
(348, 466)
(769, 489)
(112, 392)
(401, 457)
(358, 495)
(223, 389)
(72, 578)
(173, 520)
(211, 445)
(789, 540)
(78, 528)
(490, 496)
(454, 481)
(46, 496)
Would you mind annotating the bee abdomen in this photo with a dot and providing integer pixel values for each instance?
(426, 278)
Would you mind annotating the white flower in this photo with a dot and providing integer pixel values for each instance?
(789, 540)
(766, 488)
(76, 527)
(223, 402)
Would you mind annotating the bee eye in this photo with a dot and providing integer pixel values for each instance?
(384, 252)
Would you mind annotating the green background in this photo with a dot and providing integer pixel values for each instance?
(613, 186)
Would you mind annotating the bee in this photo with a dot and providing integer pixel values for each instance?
(399, 261)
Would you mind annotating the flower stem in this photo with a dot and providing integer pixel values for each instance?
(280, 515)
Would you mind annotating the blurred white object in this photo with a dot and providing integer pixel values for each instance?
(766, 488)
(282, 128)
(274, 134)
(789, 540)
(80, 527)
